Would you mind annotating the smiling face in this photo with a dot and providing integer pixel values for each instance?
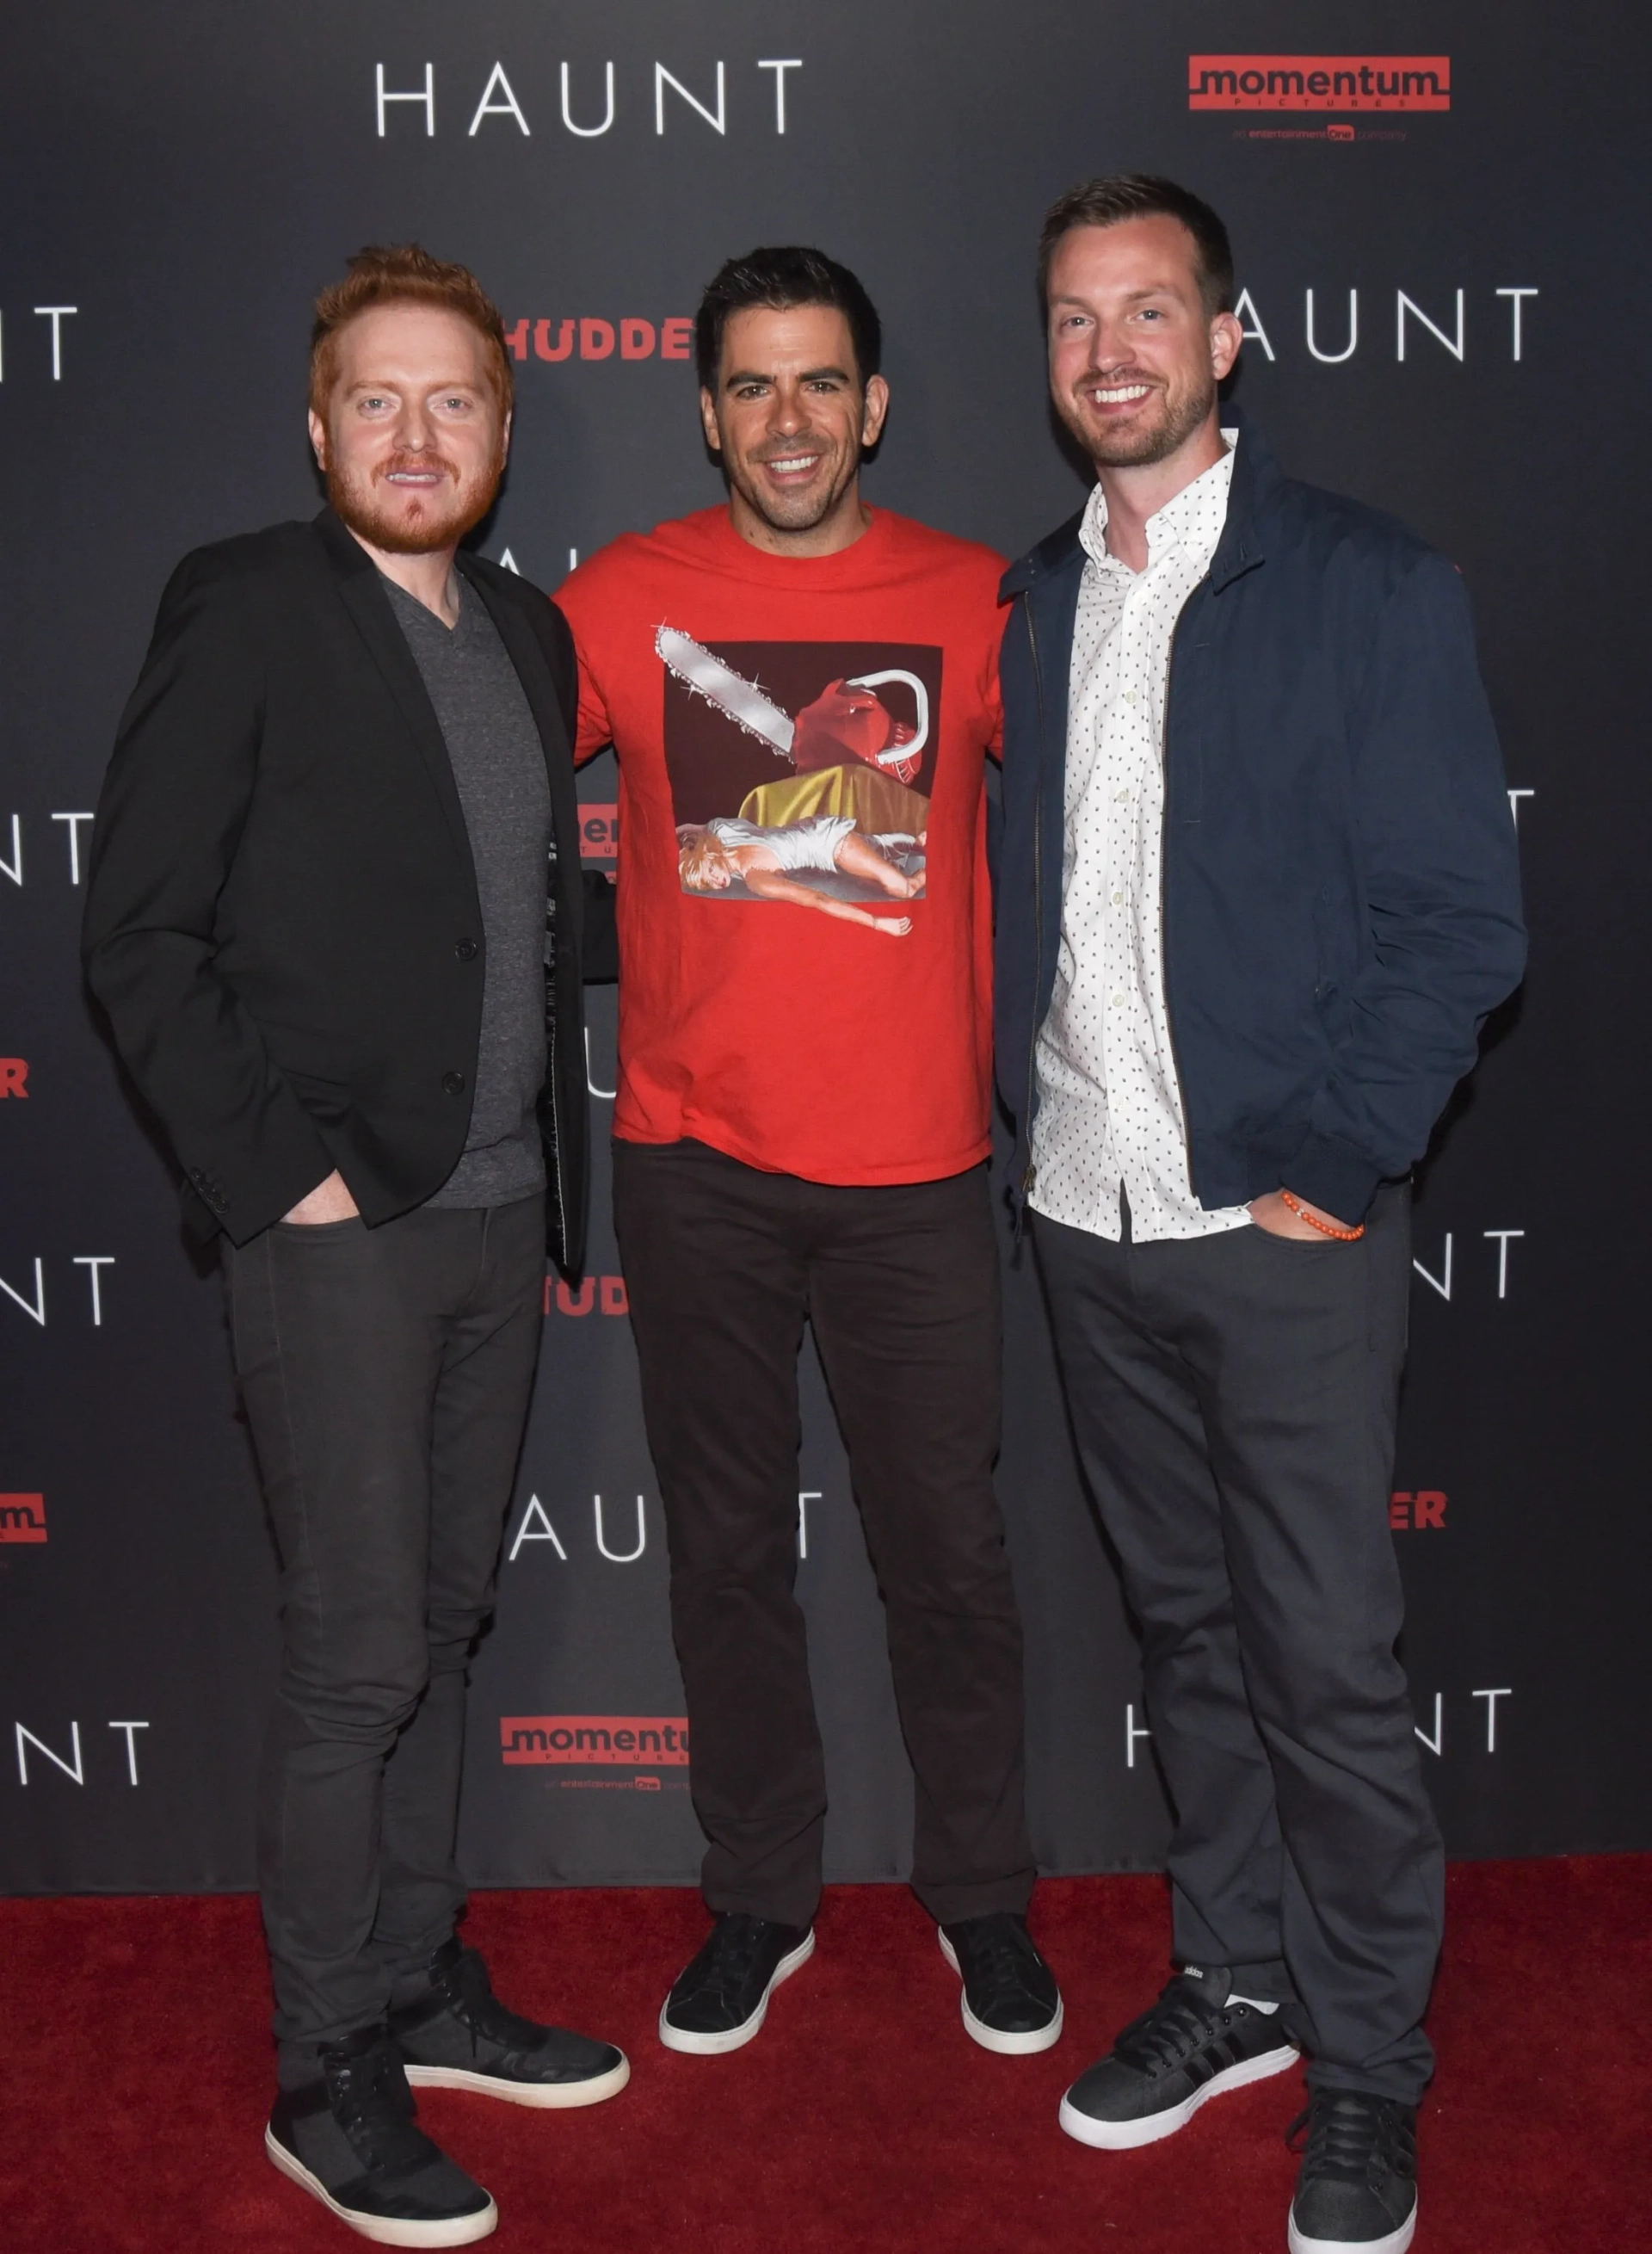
(414, 441)
(1135, 358)
(790, 419)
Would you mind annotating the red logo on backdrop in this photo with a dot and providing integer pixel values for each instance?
(599, 838)
(1319, 82)
(1421, 1512)
(607, 1292)
(591, 339)
(14, 1077)
(603, 1740)
(22, 1518)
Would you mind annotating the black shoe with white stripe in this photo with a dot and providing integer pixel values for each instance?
(1011, 2002)
(1357, 2190)
(454, 2033)
(721, 2000)
(349, 2138)
(1194, 2043)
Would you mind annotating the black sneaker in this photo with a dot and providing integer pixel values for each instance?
(721, 2000)
(1011, 2002)
(349, 2138)
(458, 2036)
(1192, 2044)
(1358, 2182)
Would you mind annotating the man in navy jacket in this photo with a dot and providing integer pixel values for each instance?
(1258, 891)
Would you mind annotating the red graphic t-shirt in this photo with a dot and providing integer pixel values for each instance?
(804, 919)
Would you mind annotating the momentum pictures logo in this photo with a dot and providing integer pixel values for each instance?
(22, 1518)
(1344, 82)
(597, 1740)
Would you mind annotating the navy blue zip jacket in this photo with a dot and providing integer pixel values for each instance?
(1342, 895)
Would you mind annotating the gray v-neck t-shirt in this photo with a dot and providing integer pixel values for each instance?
(498, 765)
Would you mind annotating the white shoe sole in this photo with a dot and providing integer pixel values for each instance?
(1010, 2046)
(561, 2095)
(1394, 2243)
(728, 2039)
(384, 2230)
(1125, 2135)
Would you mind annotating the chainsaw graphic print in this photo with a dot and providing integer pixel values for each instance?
(800, 772)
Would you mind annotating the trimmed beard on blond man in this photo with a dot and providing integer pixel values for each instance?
(405, 274)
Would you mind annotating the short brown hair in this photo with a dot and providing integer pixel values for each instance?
(404, 274)
(1119, 196)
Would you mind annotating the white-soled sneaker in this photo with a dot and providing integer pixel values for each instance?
(1356, 2193)
(1195, 2043)
(721, 1999)
(350, 2139)
(1011, 2003)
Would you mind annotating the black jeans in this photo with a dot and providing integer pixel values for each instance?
(1233, 1398)
(386, 1374)
(724, 1264)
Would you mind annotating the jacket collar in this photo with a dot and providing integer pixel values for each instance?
(1251, 501)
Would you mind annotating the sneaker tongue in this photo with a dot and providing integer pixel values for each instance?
(1214, 1982)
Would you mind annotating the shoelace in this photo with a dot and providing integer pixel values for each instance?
(1171, 2031)
(374, 2106)
(466, 1989)
(1347, 2132)
(733, 1946)
(995, 1964)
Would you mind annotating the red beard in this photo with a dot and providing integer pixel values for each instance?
(440, 519)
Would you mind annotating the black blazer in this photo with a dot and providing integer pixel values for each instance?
(281, 918)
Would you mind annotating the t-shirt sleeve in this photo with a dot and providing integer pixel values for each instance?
(595, 730)
(994, 691)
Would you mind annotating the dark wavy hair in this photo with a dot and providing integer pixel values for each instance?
(783, 277)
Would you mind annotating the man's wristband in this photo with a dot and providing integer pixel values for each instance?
(1324, 1228)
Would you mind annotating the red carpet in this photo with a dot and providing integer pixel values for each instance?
(134, 2072)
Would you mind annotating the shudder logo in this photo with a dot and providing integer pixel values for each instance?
(22, 1518)
(555, 338)
(1417, 1513)
(1362, 82)
(607, 1292)
(600, 1740)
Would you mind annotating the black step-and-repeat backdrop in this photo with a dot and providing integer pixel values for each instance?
(1436, 211)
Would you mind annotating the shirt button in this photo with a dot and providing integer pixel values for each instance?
(1119, 900)
(453, 1082)
(1117, 1000)
(1130, 695)
(466, 949)
(1120, 797)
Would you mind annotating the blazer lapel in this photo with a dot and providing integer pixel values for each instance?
(376, 623)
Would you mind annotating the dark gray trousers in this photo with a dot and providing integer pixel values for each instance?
(1233, 1399)
(723, 1266)
(386, 1374)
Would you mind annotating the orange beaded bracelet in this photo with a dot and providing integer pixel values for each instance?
(1324, 1228)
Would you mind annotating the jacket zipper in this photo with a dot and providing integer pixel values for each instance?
(1038, 893)
(1164, 869)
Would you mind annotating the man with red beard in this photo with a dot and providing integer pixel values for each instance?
(334, 915)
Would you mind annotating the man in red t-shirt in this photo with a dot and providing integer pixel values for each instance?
(801, 691)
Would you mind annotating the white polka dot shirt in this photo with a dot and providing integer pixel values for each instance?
(1110, 1103)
